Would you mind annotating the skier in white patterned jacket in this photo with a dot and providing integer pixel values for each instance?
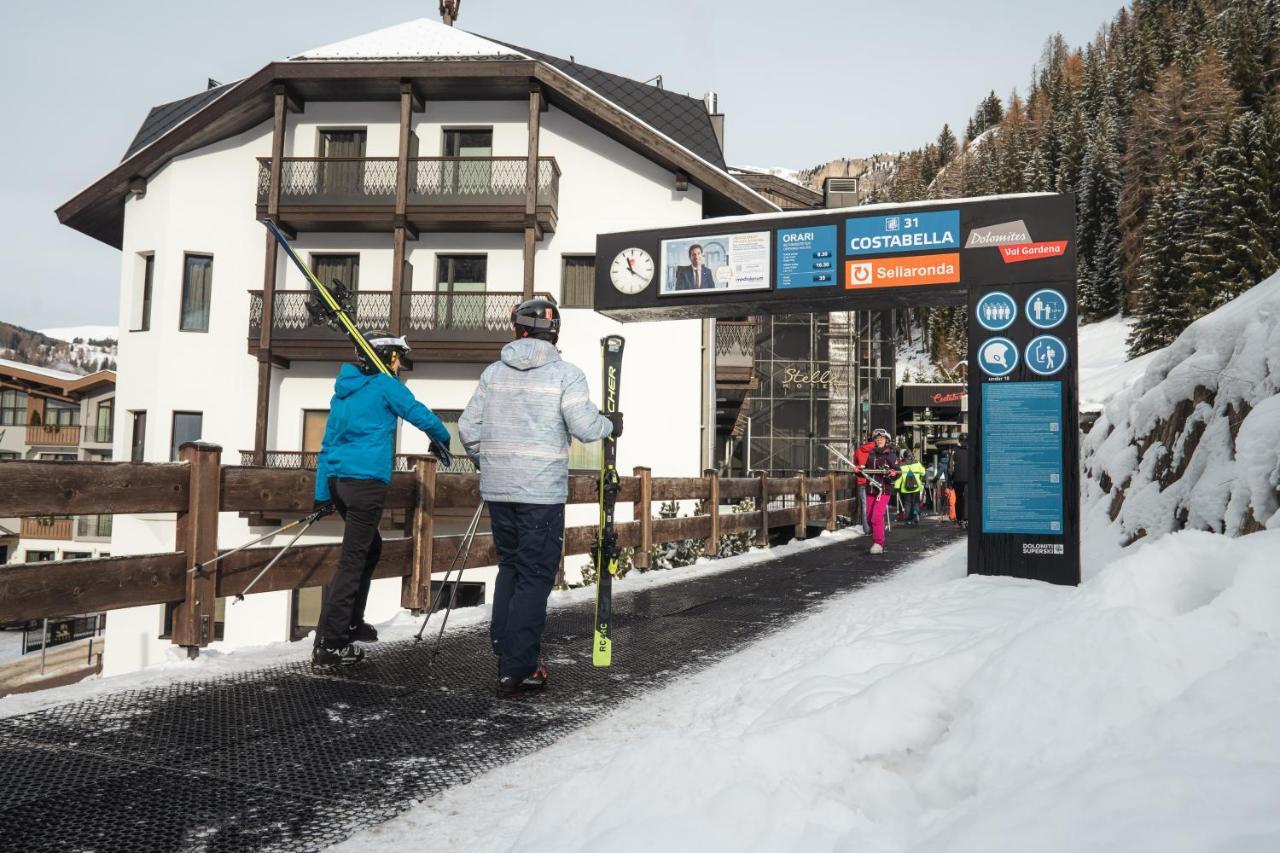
(517, 427)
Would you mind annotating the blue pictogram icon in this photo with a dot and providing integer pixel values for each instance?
(997, 357)
(1046, 309)
(996, 311)
(1046, 355)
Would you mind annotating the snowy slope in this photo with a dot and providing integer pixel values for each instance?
(1194, 441)
(1105, 367)
(935, 712)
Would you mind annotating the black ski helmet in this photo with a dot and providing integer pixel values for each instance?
(383, 344)
(536, 318)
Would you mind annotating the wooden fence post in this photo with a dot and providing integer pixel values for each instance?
(642, 511)
(197, 537)
(713, 508)
(831, 501)
(416, 592)
(802, 517)
(762, 535)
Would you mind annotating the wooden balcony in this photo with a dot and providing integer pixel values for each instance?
(458, 327)
(53, 435)
(736, 354)
(47, 527)
(442, 193)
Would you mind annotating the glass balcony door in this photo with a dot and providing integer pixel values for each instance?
(344, 177)
(462, 178)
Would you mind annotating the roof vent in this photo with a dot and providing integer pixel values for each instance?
(840, 192)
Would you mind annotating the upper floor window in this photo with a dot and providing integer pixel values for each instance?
(187, 426)
(468, 178)
(58, 413)
(468, 142)
(197, 285)
(343, 268)
(13, 407)
(143, 293)
(461, 272)
(341, 170)
(578, 281)
(138, 439)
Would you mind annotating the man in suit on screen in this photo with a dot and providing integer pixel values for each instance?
(696, 276)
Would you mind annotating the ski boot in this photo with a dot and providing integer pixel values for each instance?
(347, 655)
(877, 549)
(514, 685)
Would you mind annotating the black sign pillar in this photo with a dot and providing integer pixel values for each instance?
(1009, 260)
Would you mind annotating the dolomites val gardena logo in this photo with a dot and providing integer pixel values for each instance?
(1014, 242)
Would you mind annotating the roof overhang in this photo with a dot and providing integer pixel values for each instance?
(65, 388)
(98, 210)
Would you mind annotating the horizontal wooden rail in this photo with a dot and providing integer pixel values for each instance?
(29, 488)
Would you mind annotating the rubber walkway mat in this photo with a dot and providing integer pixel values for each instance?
(291, 760)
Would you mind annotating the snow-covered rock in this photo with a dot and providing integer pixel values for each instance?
(1194, 440)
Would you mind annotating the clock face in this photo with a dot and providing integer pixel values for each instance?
(631, 271)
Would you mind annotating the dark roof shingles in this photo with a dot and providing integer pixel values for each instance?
(165, 117)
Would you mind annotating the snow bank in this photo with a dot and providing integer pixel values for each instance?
(936, 712)
(1194, 441)
(1104, 364)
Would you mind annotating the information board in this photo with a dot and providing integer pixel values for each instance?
(807, 256)
(1022, 458)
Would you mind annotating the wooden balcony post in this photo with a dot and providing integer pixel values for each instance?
(277, 150)
(531, 186)
(197, 538)
(271, 256)
(416, 592)
(397, 279)
(802, 520)
(642, 512)
(713, 509)
(762, 535)
(407, 102)
(831, 501)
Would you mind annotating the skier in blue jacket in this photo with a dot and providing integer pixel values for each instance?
(353, 473)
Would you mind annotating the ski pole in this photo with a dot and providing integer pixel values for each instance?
(314, 518)
(465, 549)
(318, 514)
(467, 536)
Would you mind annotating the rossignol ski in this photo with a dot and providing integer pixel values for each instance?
(607, 538)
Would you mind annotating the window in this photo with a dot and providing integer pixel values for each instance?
(342, 172)
(76, 555)
(58, 413)
(39, 556)
(142, 311)
(577, 281)
(584, 457)
(13, 408)
(8, 454)
(102, 432)
(463, 275)
(314, 422)
(450, 420)
(476, 144)
(187, 426)
(138, 437)
(197, 281)
(343, 268)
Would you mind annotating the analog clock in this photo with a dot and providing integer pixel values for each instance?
(631, 271)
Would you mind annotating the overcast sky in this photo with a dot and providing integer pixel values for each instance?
(801, 82)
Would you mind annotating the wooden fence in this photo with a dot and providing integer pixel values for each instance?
(198, 487)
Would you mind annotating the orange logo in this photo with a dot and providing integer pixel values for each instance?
(903, 272)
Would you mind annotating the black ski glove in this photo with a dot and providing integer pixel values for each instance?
(322, 507)
(614, 418)
(442, 453)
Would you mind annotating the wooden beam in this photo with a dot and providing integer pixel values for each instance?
(642, 512)
(280, 97)
(29, 488)
(712, 480)
(832, 497)
(138, 186)
(292, 103)
(263, 409)
(290, 490)
(416, 592)
(397, 279)
(36, 590)
(762, 503)
(531, 187)
(802, 495)
(197, 536)
(402, 158)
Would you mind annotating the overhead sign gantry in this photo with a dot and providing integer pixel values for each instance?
(1009, 259)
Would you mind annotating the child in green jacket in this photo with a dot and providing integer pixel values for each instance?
(910, 484)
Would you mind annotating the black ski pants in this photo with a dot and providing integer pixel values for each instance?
(528, 539)
(962, 506)
(360, 503)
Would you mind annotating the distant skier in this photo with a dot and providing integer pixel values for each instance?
(517, 427)
(353, 472)
(881, 469)
(960, 479)
(910, 484)
(860, 454)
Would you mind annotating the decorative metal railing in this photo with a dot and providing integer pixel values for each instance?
(735, 343)
(308, 460)
(427, 314)
(431, 181)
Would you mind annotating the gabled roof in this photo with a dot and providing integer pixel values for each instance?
(681, 117)
(61, 381)
(669, 128)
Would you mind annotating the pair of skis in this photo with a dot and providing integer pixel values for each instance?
(606, 550)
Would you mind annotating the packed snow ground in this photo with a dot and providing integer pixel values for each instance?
(10, 645)
(935, 711)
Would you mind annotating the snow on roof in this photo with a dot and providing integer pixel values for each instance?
(421, 38)
(60, 375)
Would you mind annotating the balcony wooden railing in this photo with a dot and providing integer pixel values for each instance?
(198, 489)
(46, 527)
(53, 435)
(490, 188)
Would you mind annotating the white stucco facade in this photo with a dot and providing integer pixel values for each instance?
(203, 202)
